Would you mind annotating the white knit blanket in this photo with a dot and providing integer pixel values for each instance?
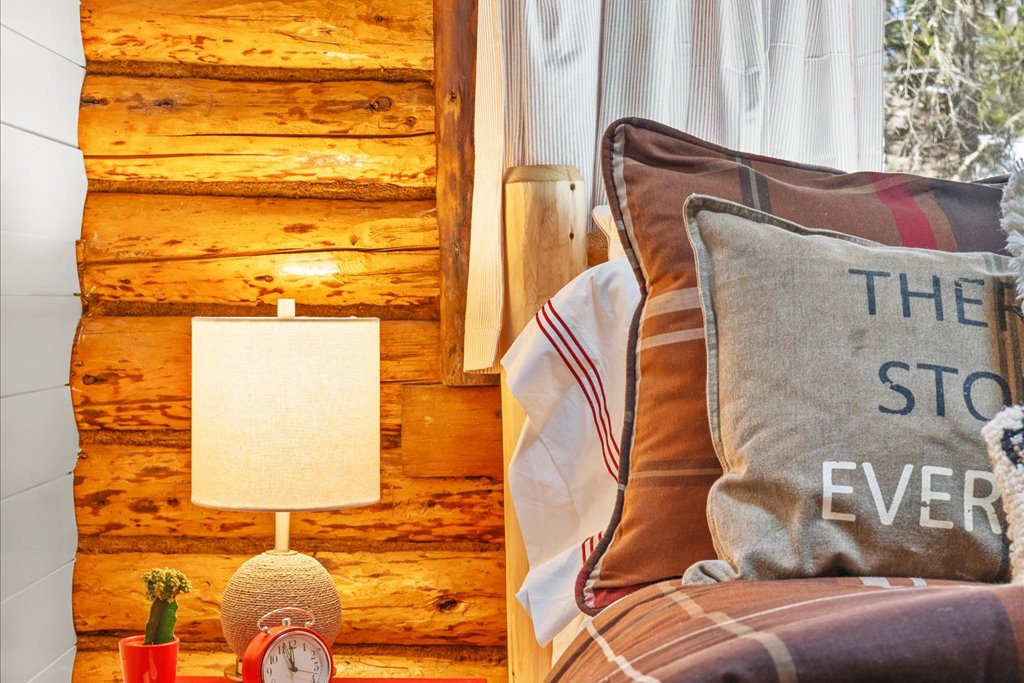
(1013, 224)
(1005, 433)
(1005, 438)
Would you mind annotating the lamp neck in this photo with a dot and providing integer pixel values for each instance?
(282, 530)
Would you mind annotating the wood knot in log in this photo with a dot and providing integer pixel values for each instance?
(445, 604)
(98, 499)
(382, 103)
(93, 379)
(145, 506)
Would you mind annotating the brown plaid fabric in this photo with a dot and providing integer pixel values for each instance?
(828, 629)
(668, 464)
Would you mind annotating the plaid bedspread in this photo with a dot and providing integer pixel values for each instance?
(830, 629)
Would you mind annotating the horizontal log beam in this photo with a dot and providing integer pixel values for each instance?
(451, 431)
(137, 421)
(136, 491)
(248, 546)
(97, 661)
(129, 227)
(364, 192)
(357, 168)
(135, 373)
(400, 598)
(297, 40)
(121, 115)
(398, 279)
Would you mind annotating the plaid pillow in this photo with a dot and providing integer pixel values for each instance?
(668, 464)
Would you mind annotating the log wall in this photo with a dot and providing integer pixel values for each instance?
(238, 153)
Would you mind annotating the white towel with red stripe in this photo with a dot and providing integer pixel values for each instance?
(568, 370)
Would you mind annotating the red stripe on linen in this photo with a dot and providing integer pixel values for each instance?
(589, 544)
(601, 395)
(605, 455)
(911, 222)
(604, 432)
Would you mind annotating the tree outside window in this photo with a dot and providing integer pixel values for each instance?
(954, 95)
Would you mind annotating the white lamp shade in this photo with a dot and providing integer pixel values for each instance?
(285, 413)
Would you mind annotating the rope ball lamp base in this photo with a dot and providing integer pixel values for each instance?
(272, 580)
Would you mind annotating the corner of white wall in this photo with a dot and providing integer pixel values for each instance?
(43, 187)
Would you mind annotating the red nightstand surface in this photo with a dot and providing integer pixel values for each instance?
(220, 679)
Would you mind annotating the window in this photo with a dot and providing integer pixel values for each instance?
(954, 100)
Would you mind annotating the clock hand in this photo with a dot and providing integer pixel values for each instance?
(290, 656)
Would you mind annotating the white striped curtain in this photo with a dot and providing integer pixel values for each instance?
(797, 79)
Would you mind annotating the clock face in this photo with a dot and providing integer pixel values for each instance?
(296, 657)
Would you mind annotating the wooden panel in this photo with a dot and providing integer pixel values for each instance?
(528, 661)
(129, 227)
(454, 49)
(37, 336)
(123, 115)
(355, 168)
(38, 439)
(144, 490)
(103, 665)
(43, 185)
(451, 432)
(297, 40)
(388, 597)
(38, 536)
(52, 110)
(54, 24)
(395, 279)
(61, 671)
(30, 264)
(36, 627)
(135, 373)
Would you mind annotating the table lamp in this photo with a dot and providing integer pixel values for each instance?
(285, 417)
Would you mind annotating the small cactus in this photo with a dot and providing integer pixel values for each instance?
(162, 587)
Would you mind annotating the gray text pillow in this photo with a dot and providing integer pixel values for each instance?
(847, 386)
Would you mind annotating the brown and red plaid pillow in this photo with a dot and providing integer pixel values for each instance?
(668, 463)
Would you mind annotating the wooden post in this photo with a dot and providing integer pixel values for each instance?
(454, 87)
(545, 247)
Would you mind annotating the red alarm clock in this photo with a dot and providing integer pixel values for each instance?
(287, 653)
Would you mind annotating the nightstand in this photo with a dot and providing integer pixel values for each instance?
(220, 679)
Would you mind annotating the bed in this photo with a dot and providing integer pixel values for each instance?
(621, 571)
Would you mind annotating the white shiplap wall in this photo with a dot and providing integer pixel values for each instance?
(41, 200)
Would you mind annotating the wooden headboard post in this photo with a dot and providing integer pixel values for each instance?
(546, 211)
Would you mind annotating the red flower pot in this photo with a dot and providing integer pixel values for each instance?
(148, 663)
